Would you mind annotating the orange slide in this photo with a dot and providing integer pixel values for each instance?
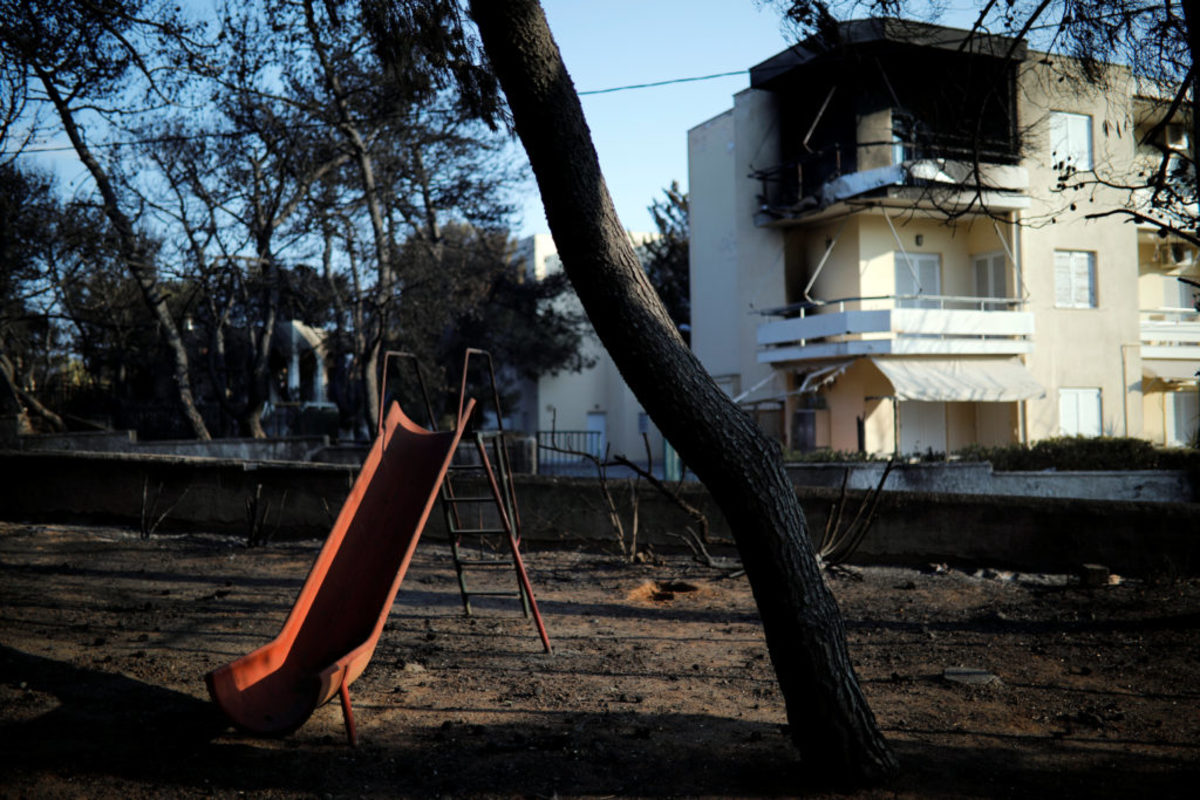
(332, 631)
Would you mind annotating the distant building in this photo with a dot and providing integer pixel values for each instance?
(832, 297)
(591, 411)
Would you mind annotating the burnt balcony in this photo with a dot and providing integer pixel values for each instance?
(938, 169)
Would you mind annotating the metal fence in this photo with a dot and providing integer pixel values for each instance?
(564, 448)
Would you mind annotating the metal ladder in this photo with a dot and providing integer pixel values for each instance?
(504, 520)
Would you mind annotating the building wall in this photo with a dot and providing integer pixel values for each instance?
(737, 267)
(1104, 342)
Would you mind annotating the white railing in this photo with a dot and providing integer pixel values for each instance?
(1170, 333)
(914, 324)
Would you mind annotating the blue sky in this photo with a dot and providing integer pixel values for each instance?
(641, 134)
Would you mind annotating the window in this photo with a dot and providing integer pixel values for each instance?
(1070, 140)
(1079, 412)
(1074, 279)
(917, 273)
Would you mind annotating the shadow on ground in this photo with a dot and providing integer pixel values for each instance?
(132, 732)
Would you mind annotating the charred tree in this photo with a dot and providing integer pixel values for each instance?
(829, 718)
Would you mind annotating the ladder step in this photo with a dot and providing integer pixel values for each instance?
(479, 499)
(484, 562)
(492, 594)
(478, 531)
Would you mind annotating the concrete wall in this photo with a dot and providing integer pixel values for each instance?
(1045, 534)
(292, 448)
(978, 478)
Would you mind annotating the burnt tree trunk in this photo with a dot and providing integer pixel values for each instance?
(829, 718)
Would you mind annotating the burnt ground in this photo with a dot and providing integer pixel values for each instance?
(660, 686)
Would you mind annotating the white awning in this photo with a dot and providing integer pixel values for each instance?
(959, 380)
(1170, 370)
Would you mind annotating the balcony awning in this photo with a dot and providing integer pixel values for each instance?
(986, 380)
(1170, 370)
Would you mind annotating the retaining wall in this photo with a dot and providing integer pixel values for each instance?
(1165, 486)
(301, 501)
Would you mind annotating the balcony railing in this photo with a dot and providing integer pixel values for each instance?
(913, 324)
(800, 182)
(1172, 333)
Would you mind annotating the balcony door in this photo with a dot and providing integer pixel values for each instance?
(991, 277)
(917, 274)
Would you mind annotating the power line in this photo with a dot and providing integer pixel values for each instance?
(664, 83)
(235, 134)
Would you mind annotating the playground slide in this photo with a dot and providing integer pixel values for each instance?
(332, 630)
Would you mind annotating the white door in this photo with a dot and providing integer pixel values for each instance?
(922, 427)
(597, 425)
(918, 273)
(1079, 412)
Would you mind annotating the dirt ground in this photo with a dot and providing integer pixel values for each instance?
(660, 685)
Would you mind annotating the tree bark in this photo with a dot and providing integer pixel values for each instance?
(829, 718)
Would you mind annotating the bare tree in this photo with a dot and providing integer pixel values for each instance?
(80, 56)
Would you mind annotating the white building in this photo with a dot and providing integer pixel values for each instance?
(593, 410)
(862, 286)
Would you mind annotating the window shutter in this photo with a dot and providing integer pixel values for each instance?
(1083, 295)
(1062, 278)
(1059, 143)
(1079, 127)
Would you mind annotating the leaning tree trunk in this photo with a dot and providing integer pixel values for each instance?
(830, 720)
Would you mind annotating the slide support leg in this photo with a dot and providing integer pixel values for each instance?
(348, 712)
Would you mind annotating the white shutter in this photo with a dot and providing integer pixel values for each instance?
(1062, 278)
(1083, 287)
(1059, 143)
(1089, 412)
(1079, 134)
(1079, 412)
(1074, 279)
(1070, 139)
(1068, 413)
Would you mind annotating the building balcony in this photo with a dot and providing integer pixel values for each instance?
(1171, 342)
(942, 176)
(913, 325)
